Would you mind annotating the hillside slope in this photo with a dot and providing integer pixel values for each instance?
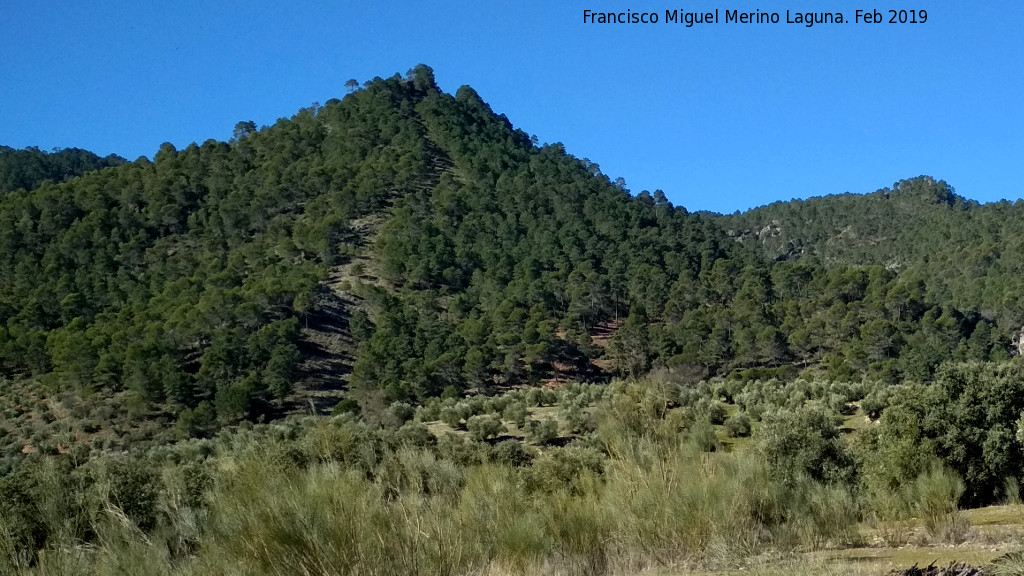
(27, 169)
(968, 254)
(195, 283)
(403, 243)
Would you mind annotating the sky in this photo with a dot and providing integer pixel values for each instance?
(721, 117)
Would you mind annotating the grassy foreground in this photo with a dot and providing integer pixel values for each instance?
(626, 479)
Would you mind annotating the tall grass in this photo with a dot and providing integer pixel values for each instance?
(419, 516)
(1011, 491)
(321, 522)
(334, 497)
(936, 493)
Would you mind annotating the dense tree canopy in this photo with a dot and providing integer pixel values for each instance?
(188, 280)
(28, 168)
(966, 254)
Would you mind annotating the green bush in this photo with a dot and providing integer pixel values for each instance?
(875, 403)
(131, 485)
(451, 416)
(1011, 491)
(200, 422)
(342, 440)
(703, 436)
(805, 441)
(511, 453)
(22, 529)
(840, 405)
(717, 413)
(484, 426)
(541, 432)
(429, 411)
(461, 451)
(416, 435)
(346, 406)
(737, 426)
(516, 413)
(397, 414)
(579, 530)
(967, 418)
(936, 494)
(571, 467)
(577, 418)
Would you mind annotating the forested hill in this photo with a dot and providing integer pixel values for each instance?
(28, 168)
(421, 239)
(471, 257)
(968, 254)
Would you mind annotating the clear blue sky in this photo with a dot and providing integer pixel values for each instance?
(720, 117)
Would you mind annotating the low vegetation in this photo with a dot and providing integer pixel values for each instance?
(629, 483)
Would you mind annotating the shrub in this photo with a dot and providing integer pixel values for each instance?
(569, 467)
(738, 426)
(200, 422)
(888, 513)
(511, 453)
(533, 397)
(21, 523)
(132, 487)
(703, 436)
(717, 413)
(346, 406)
(1010, 564)
(497, 404)
(577, 420)
(484, 426)
(689, 396)
(541, 432)
(452, 416)
(755, 411)
(937, 492)
(461, 451)
(805, 441)
(548, 397)
(183, 504)
(839, 404)
(342, 440)
(1011, 491)
(515, 412)
(415, 434)
(398, 414)
(263, 522)
(875, 403)
(967, 416)
(578, 530)
(429, 411)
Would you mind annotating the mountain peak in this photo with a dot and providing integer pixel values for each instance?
(925, 190)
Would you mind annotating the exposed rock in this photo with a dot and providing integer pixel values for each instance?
(1017, 339)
